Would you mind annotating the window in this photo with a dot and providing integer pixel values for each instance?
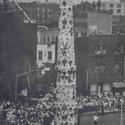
(40, 55)
(49, 55)
(43, 16)
(93, 89)
(118, 5)
(99, 68)
(48, 15)
(115, 20)
(116, 67)
(111, 5)
(44, 40)
(38, 9)
(118, 11)
(38, 15)
(53, 38)
(48, 39)
(43, 9)
(111, 10)
(119, 49)
(43, 21)
(100, 49)
(93, 28)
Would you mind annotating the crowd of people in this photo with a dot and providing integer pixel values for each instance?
(41, 111)
(37, 111)
(101, 102)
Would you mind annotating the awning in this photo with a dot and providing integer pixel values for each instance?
(118, 84)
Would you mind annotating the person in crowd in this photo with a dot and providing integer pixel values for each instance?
(95, 119)
(41, 110)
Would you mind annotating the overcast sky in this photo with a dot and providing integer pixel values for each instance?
(75, 1)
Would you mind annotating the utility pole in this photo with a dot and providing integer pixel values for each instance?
(16, 87)
(87, 80)
(27, 73)
(66, 106)
(122, 102)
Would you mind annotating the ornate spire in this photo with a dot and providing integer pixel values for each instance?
(66, 69)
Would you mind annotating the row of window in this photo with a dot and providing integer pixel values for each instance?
(40, 56)
(101, 68)
(116, 20)
(118, 10)
(111, 5)
(118, 5)
(43, 15)
(101, 50)
(47, 39)
(43, 9)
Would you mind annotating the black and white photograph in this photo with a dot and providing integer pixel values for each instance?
(62, 62)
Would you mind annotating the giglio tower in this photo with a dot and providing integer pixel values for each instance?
(66, 112)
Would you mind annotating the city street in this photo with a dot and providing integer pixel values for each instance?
(106, 119)
(60, 59)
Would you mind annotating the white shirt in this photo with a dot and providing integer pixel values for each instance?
(95, 118)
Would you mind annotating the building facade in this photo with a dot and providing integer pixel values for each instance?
(117, 8)
(42, 13)
(46, 46)
(46, 55)
(103, 69)
(86, 23)
(17, 48)
(99, 60)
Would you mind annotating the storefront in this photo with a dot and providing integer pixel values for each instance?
(118, 88)
(100, 88)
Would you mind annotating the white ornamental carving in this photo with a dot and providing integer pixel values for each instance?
(66, 69)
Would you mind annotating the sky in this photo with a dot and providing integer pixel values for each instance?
(75, 1)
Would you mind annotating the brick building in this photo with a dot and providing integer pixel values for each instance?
(117, 8)
(46, 55)
(100, 63)
(42, 13)
(99, 60)
(88, 22)
(85, 22)
(46, 47)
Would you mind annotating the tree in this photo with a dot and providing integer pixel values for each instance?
(86, 5)
(93, 5)
(99, 4)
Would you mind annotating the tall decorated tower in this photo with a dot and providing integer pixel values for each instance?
(66, 69)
